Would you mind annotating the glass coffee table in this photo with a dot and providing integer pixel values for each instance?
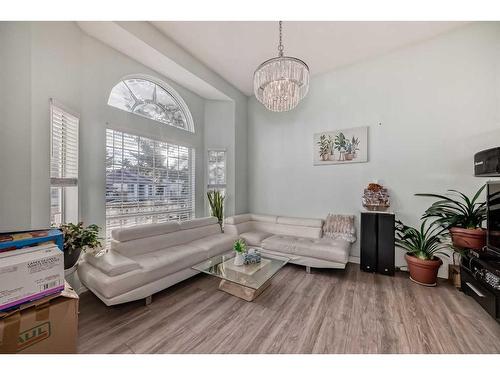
(247, 281)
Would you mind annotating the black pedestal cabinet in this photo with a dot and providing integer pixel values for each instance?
(377, 242)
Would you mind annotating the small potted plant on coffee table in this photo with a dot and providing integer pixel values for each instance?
(239, 248)
(421, 247)
(462, 216)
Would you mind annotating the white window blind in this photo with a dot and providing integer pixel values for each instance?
(63, 164)
(217, 170)
(147, 181)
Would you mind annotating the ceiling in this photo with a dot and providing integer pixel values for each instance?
(234, 49)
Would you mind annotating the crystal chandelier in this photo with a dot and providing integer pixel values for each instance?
(282, 82)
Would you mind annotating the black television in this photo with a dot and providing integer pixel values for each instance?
(493, 216)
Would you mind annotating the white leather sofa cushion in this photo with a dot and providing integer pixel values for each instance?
(215, 244)
(147, 245)
(154, 266)
(237, 219)
(286, 230)
(112, 263)
(169, 260)
(196, 223)
(143, 231)
(314, 223)
(321, 248)
(255, 238)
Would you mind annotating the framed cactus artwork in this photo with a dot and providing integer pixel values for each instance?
(341, 146)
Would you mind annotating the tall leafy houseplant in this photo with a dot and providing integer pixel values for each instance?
(78, 238)
(216, 201)
(461, 215)
(422, 245)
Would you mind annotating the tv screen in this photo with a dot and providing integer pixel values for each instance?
(493, 215)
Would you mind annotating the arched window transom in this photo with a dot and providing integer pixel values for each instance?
(148, 99)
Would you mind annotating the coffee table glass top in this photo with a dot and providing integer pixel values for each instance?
(250, 275)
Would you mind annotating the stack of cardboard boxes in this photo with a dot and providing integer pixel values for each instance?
(38, 310)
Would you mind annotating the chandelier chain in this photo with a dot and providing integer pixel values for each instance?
(280, 46)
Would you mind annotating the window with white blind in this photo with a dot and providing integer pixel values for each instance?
(147, 181)
(63, 165)
(217, 170)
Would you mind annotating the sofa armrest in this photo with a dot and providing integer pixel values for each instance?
(112, 263)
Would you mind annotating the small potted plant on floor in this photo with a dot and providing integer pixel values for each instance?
(462, 216)
(421, 247)
(78, 238)
(239, 248)
(216, 201)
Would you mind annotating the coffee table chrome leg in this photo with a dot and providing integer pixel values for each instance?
(308, 269)
(148, 300)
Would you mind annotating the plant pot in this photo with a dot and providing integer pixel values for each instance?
(325, 157)
(71, 259)
(423, 272)
(349, 156)
(468, 238)
(239, 259)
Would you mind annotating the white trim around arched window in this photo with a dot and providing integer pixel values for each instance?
(151, 98)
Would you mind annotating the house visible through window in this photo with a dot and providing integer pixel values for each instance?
(217, 170)
(147, 181)
(63, 165)
(150, 100)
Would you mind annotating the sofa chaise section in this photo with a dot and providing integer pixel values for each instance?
(145, 259)
(299, 239)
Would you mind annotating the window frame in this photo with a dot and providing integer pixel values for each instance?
(67, 186)
(169, 90)
(217, 186)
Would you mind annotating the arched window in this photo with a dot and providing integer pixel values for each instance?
(155, 101)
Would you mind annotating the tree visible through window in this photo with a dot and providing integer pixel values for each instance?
(147, 181)
(148, 99)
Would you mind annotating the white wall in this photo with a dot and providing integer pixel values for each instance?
(43, 60)
(15, 150)
(437, 104)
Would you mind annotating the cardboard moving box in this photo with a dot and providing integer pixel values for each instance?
(30, 273)
(48, 325)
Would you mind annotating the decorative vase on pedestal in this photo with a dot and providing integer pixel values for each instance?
(239, 259)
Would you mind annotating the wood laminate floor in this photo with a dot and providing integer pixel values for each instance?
(328, 311)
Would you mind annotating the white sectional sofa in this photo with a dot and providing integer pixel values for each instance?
(145, 259)
(299, 239)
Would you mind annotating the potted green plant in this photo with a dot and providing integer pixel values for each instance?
(340, 144)
(462, 216)
(325, 146)
(421, 246)
(78, 238)
(239, 248)
(216, 202)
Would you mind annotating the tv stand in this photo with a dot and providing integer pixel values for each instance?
(480, 279)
